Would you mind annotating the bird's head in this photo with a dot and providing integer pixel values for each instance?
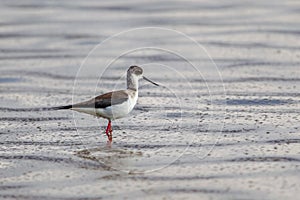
(137, 73)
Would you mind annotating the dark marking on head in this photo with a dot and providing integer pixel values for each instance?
(135, 70)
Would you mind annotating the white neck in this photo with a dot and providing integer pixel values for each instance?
(132, 82)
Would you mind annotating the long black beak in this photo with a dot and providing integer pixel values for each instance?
(150, 81)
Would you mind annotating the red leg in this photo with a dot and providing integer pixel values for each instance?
(108, 128)
(108, 131)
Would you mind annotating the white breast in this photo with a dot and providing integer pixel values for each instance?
(132, 100)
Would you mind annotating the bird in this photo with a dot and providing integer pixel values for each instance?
(112, 105)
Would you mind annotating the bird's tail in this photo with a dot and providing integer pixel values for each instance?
(37, 109)
(59, 108)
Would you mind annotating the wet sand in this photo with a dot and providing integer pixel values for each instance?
(201, 137)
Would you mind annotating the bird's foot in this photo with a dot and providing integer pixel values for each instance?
(108, 144)
(109, 135)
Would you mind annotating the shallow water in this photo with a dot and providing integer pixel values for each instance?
(198, 137)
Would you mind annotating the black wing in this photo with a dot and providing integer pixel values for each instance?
(104, 100)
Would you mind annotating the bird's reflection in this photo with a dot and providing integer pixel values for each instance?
(111, 156)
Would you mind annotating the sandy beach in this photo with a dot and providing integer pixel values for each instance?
(225, 124)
